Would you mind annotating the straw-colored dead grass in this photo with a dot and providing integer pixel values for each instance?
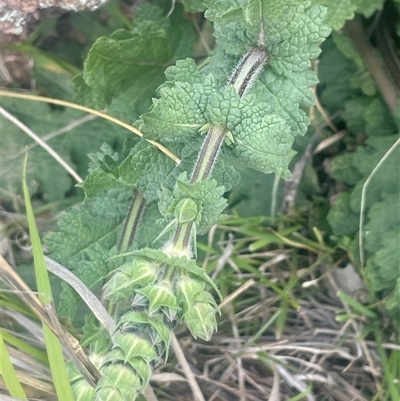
(314, 352)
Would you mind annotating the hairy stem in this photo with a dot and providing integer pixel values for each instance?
(242, 78)
(247, 70)
(180, 243)
(208, 154)
(132, 221)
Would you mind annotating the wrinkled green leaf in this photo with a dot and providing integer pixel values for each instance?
(206, 194)
(87, 238)
(290, 30)
(45, 175)
(342, 10)
(134, 60)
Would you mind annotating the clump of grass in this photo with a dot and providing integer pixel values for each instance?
(282, 334)
(54, 348)
(280, 338)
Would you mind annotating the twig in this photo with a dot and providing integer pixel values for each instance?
(210, 241)
(46, 314)
(294, 381)
(197, 394)
(12, 278)
(357, 330)
(292, 184)
(201, 35)
(224, 257)
(42, 143)
(247, 376)
(275, 390)
(227, 388)
(73, 349)
(233, 295)
(329, 141)
(323, 113)
(171, 10)
(318, 104)
(239, 366)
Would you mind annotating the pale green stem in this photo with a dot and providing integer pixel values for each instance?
(208, 154)
(245, 73)
(247, 70)
(132, 221)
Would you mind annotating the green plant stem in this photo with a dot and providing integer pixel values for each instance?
(247, 70)
(208, 153)
(181, 239)
(242, 78)
(202, 170)
(132, 221)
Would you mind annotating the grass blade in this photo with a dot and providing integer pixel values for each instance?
(8, 373)
(53, 345)
(301, 395)
(357, 306)
(23, 346)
